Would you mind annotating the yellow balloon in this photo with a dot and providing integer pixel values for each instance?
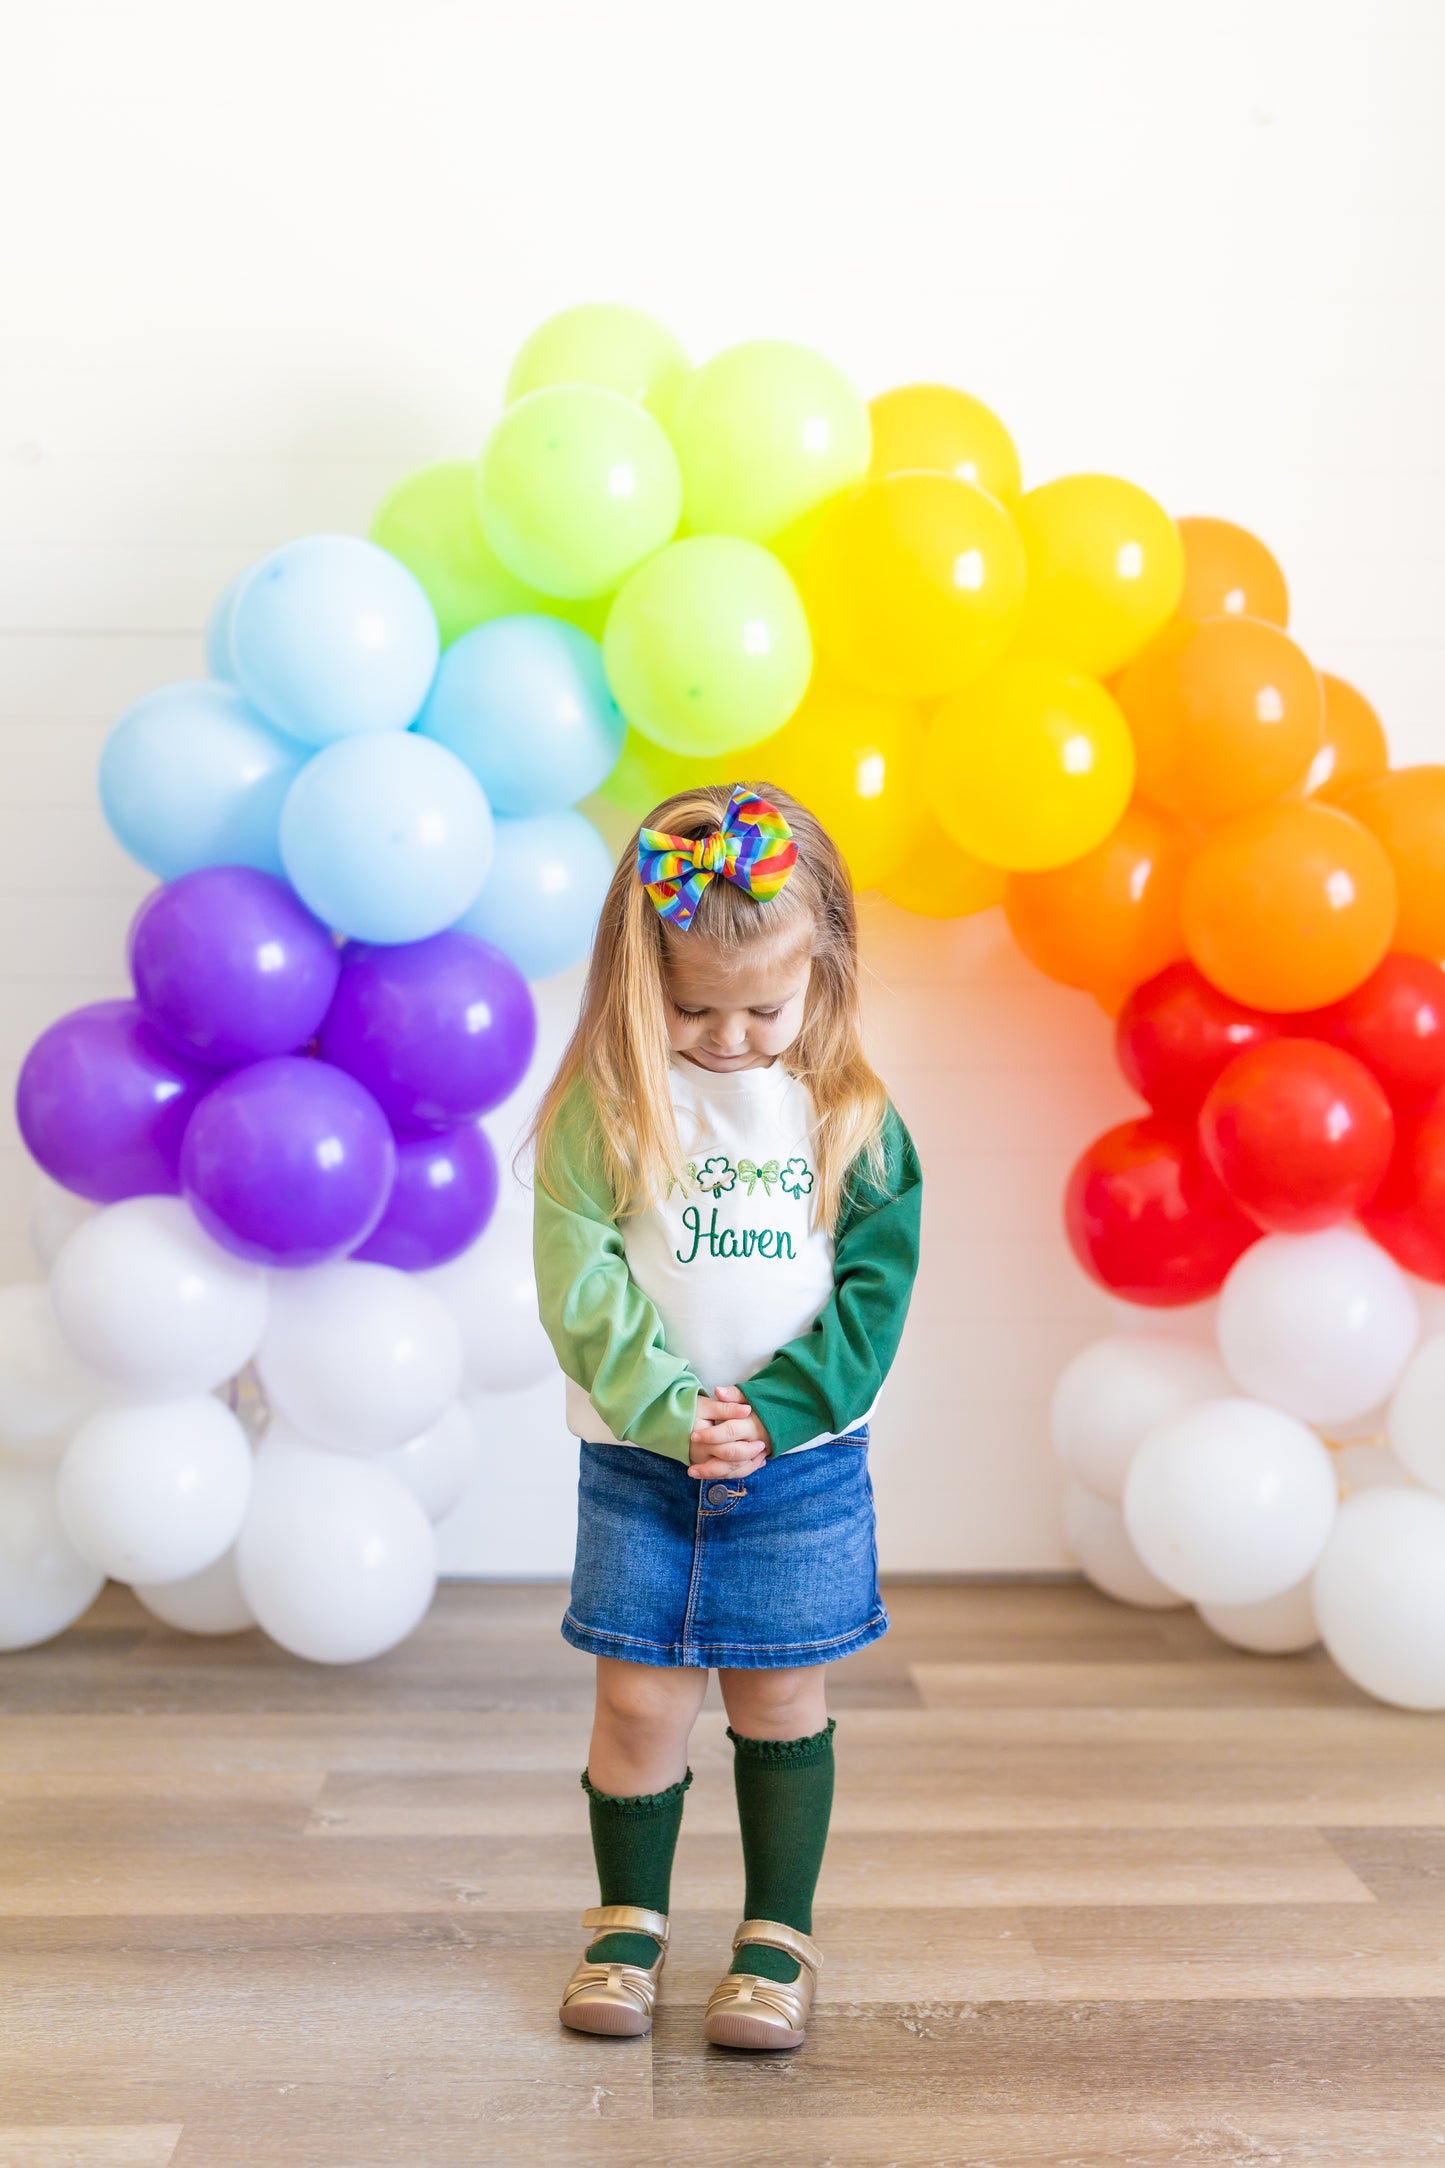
(944, 431)
(1030, 768)
(852, 759)
(915, 584)
(1106, 570)
(935, 879)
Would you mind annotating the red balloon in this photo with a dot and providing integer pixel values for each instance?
(1149, 1220)
(1395, 1025)
(1176, 1033)
(1299, 1133)
(1407, 1215)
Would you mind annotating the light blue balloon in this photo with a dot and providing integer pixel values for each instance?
(524, 701)
(219, 660)
(193, 776)
(542, 896)
(331, 636)
(386, 836)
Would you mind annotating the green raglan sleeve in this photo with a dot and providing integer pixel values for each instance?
(830, 1375)
(607, 1334)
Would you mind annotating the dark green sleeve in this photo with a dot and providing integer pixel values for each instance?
(830, 1375)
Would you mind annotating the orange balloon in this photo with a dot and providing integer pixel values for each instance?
(1405, 809)
(943, 431)
(1289, 907)
(1354, 749)
(1228, 572)
(938, 880)
(1111, 919)
(1226, 712)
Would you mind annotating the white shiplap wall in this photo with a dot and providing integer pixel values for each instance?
(252, 269)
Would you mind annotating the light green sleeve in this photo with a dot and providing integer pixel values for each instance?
(607, 1334)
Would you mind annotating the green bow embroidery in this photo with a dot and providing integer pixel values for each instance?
(752, 1174)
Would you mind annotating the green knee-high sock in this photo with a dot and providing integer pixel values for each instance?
(785, 1796)
(633, 1841)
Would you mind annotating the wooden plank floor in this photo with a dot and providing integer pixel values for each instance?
(1101, 1890)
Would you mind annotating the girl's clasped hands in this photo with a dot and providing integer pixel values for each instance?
(727, 1438)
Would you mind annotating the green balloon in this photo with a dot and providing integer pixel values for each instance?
(765, 432)
(429, 521)
(645, 775)
(575, 486)
(603, 343)
(707, 646)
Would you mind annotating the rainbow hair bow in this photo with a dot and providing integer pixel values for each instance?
(754, 847)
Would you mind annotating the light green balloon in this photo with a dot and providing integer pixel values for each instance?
(707, 646)
(575, 486)
(601, 342)
(429, 521)
(764, 432)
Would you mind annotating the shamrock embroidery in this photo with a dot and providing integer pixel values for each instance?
(797, 1178)
(752, 1174)
(716, 1175)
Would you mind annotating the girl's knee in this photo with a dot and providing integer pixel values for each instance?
(784, 1704)
(644, 1697)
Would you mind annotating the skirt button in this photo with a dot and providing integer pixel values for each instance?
(717, 1494)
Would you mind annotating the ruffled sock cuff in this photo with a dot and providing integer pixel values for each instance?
(792, 1753)
(640, 1803)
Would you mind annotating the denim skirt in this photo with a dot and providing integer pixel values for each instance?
(752, 1573)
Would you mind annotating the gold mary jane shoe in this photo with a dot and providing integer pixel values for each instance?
(746, 2011)
(615, 1999)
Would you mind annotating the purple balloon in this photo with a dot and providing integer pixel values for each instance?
(444, 1194)
(103, 1103)
(288, 1162)
(437, 1031)
(230, 967)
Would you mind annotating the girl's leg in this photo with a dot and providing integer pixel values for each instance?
(636, 1777)
(783, 1769)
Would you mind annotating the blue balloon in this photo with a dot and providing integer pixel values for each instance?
(219, 660)
(192, 776)
(331, 635)
(542, 896)
(386, 836)
(524, 701)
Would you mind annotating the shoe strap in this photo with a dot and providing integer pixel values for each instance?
(773, 1935)
(628, 1919)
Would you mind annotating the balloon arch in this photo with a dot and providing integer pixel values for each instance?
(278, 1267)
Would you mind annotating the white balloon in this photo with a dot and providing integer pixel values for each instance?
(491, 1291)
(208, 1602)
(438, 1466)
(156, 1493)
(146, 1298)
(1379, 1595)
(1321, 1325)
(44, 1391)
(1279, 1626)
(1095, 1533)
(358, 1357)
(336, 1559)
(54, 1217)
(45, 1584)
(1115, 1391)
(1415, 1423)
(1231, 1502)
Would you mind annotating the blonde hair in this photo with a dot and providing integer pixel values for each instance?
(620, 1050)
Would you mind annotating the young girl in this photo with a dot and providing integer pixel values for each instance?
(726, 1237)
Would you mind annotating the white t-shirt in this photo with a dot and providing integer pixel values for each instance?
(730, 1256)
